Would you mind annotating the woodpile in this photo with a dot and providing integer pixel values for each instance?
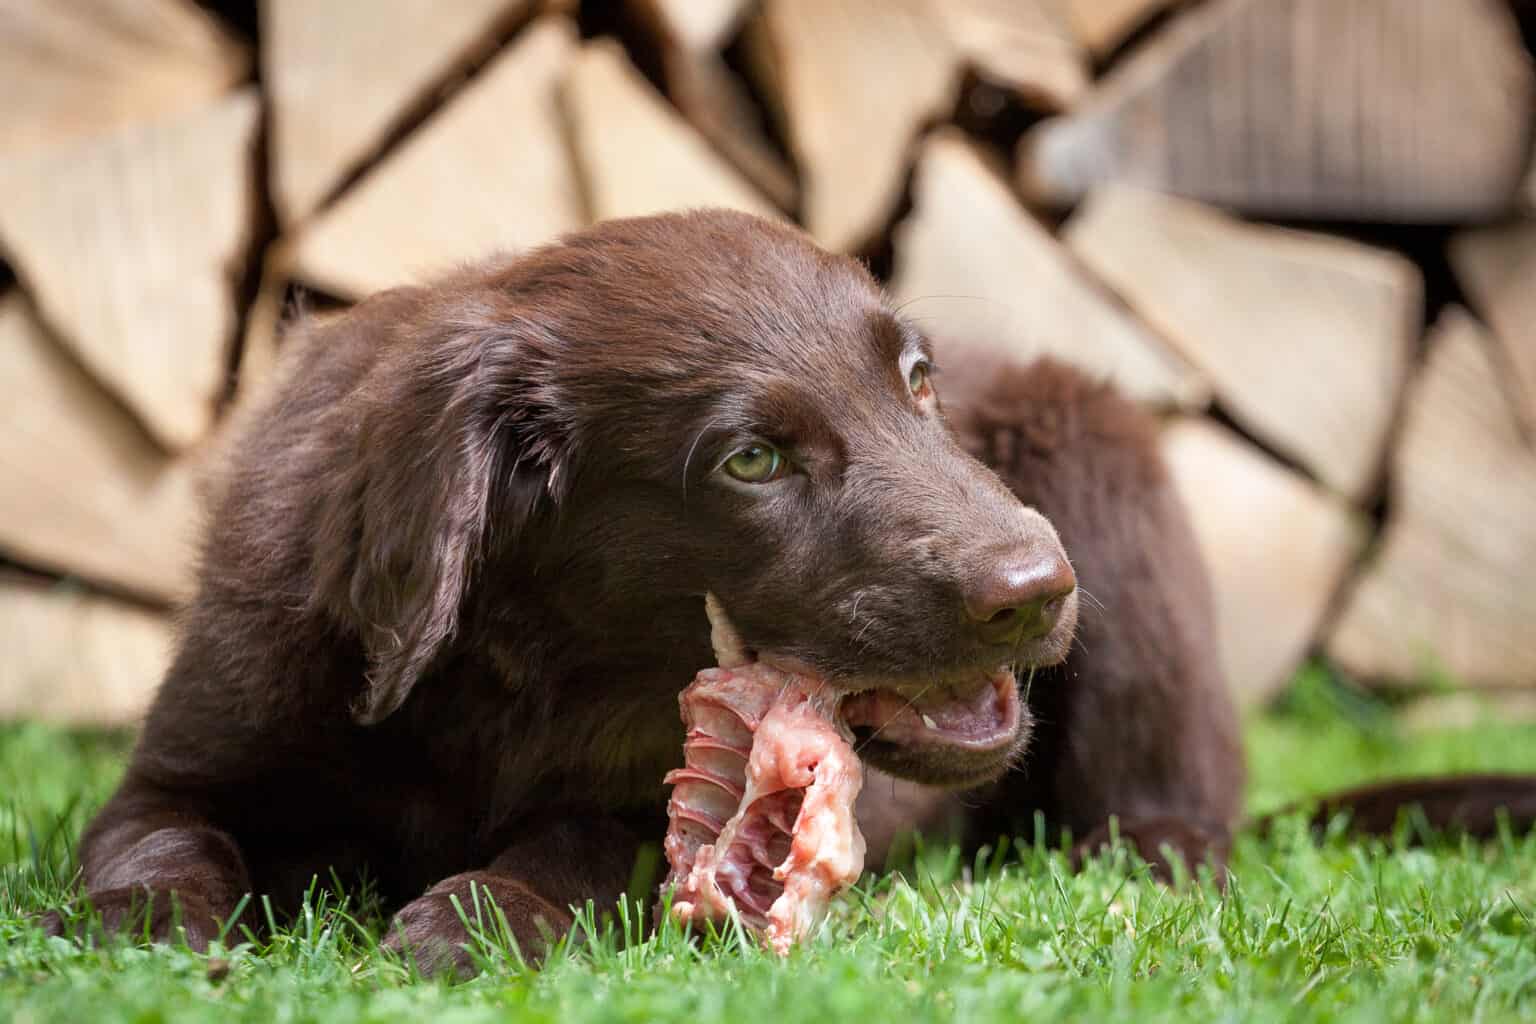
(1355, 439)
(1451, 589)
(1305, 337)
(1412, 110)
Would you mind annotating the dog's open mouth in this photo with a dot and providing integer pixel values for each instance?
(913, 728)
(978, 716)
(761, 817)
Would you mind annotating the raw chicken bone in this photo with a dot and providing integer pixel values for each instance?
(761, 816)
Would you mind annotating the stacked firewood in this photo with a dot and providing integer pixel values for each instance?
(1304, 231)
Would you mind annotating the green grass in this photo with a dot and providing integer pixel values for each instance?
(1310, 928)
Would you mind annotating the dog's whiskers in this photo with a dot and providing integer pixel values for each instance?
(1097, 604)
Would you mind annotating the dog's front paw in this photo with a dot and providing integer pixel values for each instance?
(431, 930)
(141, 912)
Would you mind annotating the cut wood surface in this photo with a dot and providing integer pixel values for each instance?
(491, 171)
(1451, 588)
(340, 75)
(77, 658)
(713, 99)
(1497, 269)
(1276, 545)
(130, 243)
(974, 268)
(82, 490)
(696, 25)
(1023, 45)
(1307, 337)
(857, 79)
(72, 69)
(1399, 110)
(1102, 25)
(636, 153)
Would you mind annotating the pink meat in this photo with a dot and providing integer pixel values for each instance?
(761, 815)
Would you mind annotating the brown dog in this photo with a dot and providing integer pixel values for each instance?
(454, 582)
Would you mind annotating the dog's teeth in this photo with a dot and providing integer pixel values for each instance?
(929, 722)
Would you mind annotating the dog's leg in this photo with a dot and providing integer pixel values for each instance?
(554, 863)
(153, 864)
(1137, 723)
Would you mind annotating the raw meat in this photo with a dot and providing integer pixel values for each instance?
(761, 815)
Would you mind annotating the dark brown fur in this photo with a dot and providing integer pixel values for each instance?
(453, 582)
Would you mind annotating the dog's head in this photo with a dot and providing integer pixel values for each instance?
(660, 408)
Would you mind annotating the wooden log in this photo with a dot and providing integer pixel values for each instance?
(974, 269)
(1025, 46)
(691, 34)
(1102, 25)
(1397, 110)
(1450, 589)
(489, 171)
(82, 489)
(129, 243)
(1497, 269)
(1277, 547)
(73, 69)
(855, 79)
(75, 657)
(1307, 337)
(341, 75)
(637, 155)
(712, 99)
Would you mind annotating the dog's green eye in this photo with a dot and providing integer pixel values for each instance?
(756, 464)
(917, 379)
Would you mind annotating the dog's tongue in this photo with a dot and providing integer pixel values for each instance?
(979, 717)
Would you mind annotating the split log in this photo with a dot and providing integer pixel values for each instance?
(1399, 110)
(130, 243)
(973, 268)
(1307, 337)
(1276, 545)
(710, 95)
(82, 489)
(73, 69)
(1102, 25)
(489, 171)
(75, 657)
(1024, 46)
(1497, 268)
(1450, 590)
(637, 155)
(714, 100)
(341, 75)
(857, 80)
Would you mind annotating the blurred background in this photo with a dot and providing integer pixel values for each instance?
(1303, 231)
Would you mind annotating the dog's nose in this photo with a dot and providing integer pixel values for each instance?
(1019, 594)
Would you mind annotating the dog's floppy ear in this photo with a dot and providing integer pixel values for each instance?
(443, 435)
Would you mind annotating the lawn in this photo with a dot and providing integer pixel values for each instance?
(1311, 927)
